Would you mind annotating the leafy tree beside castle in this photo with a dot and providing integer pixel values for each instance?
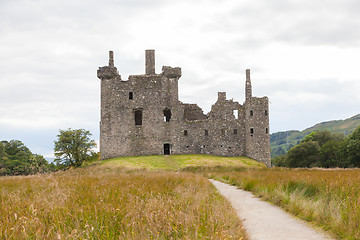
(73, 147)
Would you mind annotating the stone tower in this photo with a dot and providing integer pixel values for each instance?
(143, 116)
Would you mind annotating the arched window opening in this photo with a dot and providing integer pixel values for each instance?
(167, 115)
(138, 117)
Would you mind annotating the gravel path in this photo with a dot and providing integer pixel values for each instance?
(264, 221)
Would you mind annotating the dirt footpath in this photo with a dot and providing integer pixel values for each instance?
(264, 221)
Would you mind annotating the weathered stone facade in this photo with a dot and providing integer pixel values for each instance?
(143, 116)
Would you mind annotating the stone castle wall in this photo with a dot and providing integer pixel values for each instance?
(143, 116)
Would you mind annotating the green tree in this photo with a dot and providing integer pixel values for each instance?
(73, 147)
(351, 149)
(322, 137)
(17, 159)
(303, 155)
(38, 164)
(280, 161)
(3, 159)
(329, 154)
(329, 143)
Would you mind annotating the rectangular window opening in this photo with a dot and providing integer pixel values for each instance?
(206, 132)
(266, 112)
(185, 132)
(251, 130)
(236, 113)
(267, 130)
(235, 131)
(251, 113)
(131, 95)
(138, 117)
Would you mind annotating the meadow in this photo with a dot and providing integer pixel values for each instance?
(113, 201)
(327, 198)
(169, 197)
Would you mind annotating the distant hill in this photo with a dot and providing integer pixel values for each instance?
(282, 141)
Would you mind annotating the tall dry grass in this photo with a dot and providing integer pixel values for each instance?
(328, 198)
(94, 204)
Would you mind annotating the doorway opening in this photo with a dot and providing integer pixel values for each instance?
(166, 149)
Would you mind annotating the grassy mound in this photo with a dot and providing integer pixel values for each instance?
(178, 162)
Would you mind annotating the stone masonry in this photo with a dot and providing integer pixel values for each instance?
(143, 116)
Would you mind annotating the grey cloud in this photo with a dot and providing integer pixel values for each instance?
(299, 22)
(50, 51)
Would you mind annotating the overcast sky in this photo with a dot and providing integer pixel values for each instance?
(303, 54)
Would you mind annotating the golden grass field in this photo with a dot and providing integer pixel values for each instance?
(113, 201)
(169, 197)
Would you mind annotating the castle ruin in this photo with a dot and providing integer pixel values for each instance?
(143, 116)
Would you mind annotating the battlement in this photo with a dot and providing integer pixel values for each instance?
(171, 72)
(107, 72)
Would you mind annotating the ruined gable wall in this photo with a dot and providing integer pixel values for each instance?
(221, 134)
(220, 138)
(193, 112)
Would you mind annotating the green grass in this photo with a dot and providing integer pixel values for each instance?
(178, 162)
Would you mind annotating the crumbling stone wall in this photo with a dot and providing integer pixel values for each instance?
(193, 112)
(143, 116)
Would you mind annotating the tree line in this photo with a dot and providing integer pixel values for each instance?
(17, 159)
(72, 148)
(323, 149)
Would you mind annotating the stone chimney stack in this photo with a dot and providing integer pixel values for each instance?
(111, 59)
(150, 61)
(248, 91)
(221, 96)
